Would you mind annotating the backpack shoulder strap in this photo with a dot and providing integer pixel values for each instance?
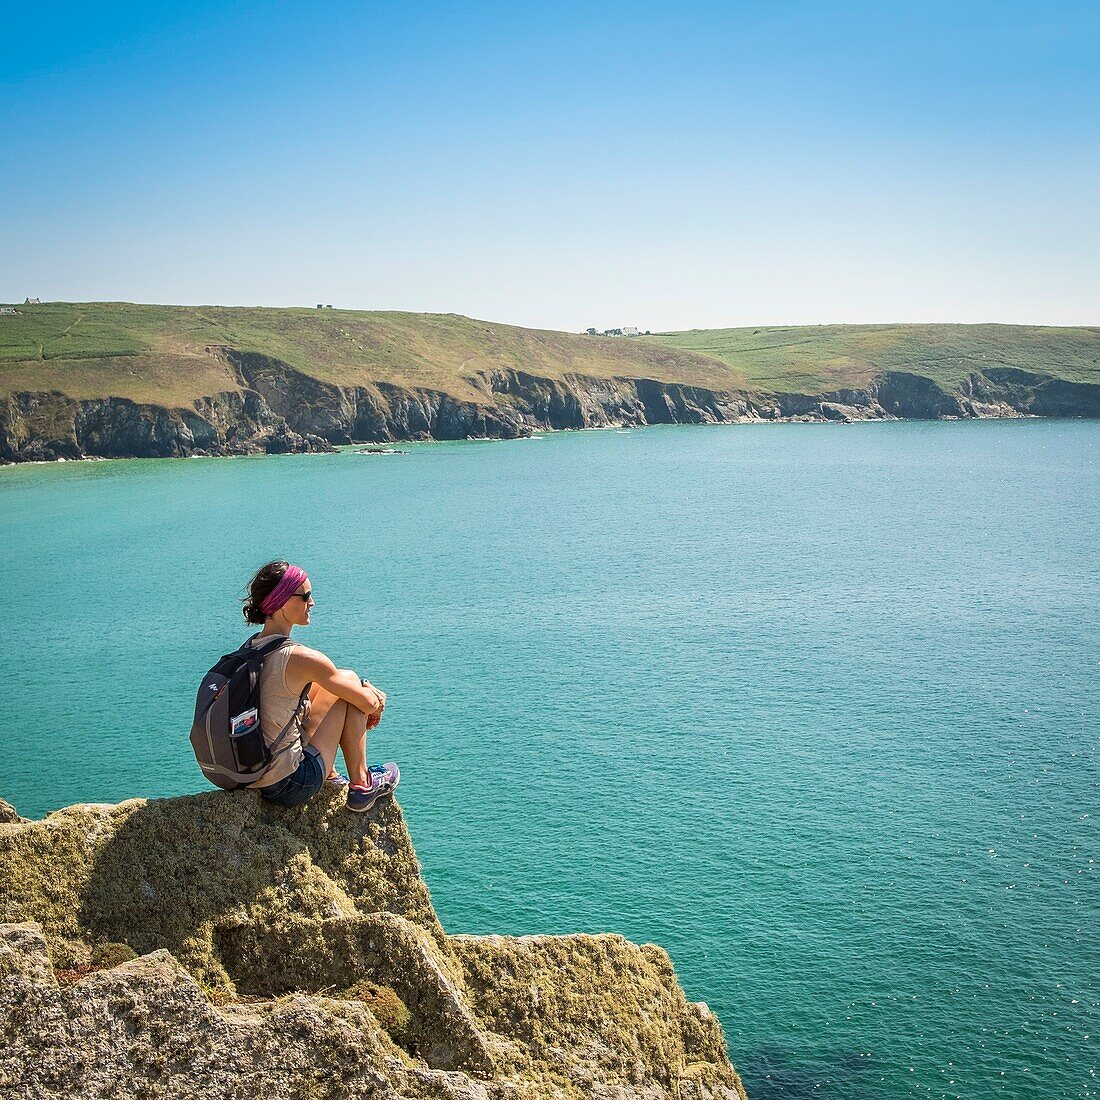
(277, 642)
(294, 718)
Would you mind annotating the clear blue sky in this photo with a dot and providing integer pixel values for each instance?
(559, 165)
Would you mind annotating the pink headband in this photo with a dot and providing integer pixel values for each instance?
(283, 590)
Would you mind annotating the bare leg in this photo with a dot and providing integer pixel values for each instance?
(353, 746)
(332, 725)
(320, 703)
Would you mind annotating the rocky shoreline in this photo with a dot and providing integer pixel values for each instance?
(280, 410)
(216, 945)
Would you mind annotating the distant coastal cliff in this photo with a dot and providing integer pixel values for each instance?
(113, 380)
(285, 411)
(213, 945)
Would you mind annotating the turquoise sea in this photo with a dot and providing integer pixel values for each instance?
(815, 707)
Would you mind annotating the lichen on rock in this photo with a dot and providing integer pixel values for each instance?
(218, 945)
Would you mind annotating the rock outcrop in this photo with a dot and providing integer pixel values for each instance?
(215, 945)
(37, 427)
(279, 409)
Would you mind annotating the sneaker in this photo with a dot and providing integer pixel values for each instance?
(337, 780)
(384, 777)
(388, 772)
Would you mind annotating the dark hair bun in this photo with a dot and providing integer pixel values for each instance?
(260, 587)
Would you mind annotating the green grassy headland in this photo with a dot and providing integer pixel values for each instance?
(819, 358)
(157, 354)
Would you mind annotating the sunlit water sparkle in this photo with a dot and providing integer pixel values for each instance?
(814, 707)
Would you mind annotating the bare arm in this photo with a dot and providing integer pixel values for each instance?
(307, 666)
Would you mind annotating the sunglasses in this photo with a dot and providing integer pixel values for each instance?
(305, 597)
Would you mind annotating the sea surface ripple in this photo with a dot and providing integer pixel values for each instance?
(814, 707)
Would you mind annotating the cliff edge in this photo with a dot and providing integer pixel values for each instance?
(215, 945)
(117, 380)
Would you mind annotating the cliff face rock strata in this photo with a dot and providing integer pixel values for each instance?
(51, 425)
(279, 409)
(214, 945)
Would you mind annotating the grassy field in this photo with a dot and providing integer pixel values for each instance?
(815, 359)
(89, 349)
(157, 353)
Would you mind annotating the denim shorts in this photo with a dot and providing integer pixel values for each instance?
(300, 786)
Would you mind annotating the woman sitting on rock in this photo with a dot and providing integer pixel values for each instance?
(337, 712)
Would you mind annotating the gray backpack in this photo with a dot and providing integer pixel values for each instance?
(226, 735)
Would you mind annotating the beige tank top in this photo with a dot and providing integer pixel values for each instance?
(277, 706)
